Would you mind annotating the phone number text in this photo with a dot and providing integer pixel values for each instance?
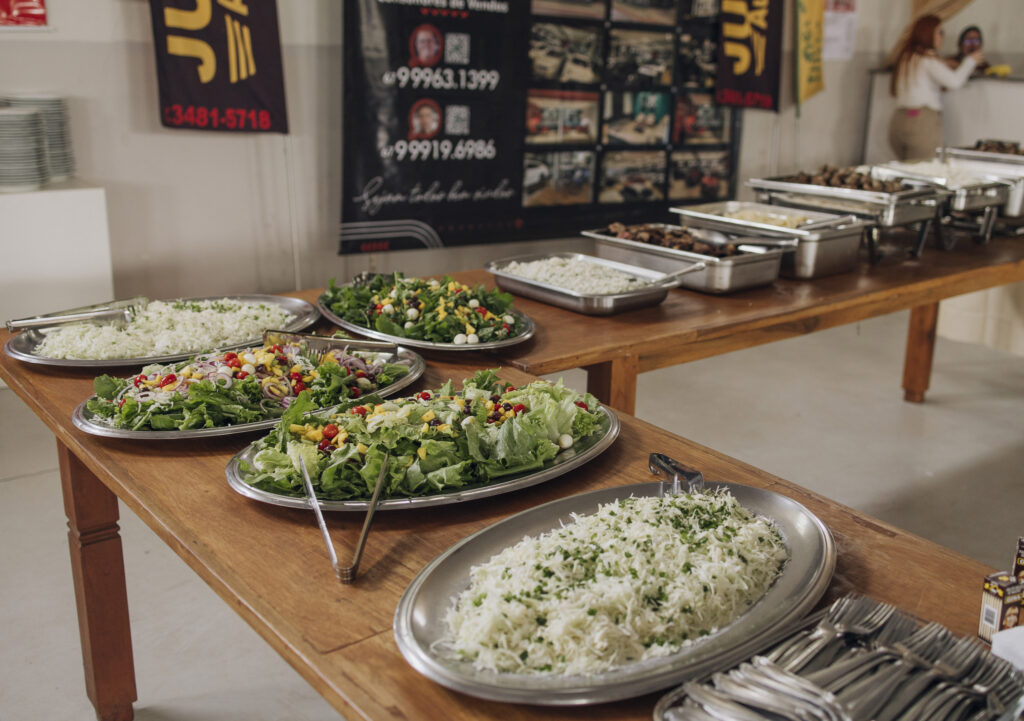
(465, 149)
(442, 78)
(197, 116)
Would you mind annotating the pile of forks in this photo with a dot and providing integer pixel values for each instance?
(861, 660)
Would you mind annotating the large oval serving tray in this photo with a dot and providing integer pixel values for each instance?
(22, 346)
(529, 330)
(583, 451)
(419, 622)
(87, 421)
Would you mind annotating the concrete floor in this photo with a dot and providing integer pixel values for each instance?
(824, 411)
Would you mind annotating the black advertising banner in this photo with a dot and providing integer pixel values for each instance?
(474, 121)
(750, 54)
(218, 64)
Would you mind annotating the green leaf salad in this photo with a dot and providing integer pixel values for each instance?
(439, 311)
(245, 386)
(438, 441)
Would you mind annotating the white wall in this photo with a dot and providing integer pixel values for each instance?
(195, 212)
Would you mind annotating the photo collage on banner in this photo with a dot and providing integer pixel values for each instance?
(617, 106)
(621, 104)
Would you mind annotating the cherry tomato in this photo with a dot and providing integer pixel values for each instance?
(507, 327)
(233, 362)
(509, 387)
(120, 403)
(168, 380)
(360, 374)
(229, 355)
(138, 380)
(582, 405)
(481, 310)
(241, 375)
(518, 408)
(295, 376)
(324, 445)
(330, 431)
(355, 394)
(423, 395)
(275, 349)
(298, 386)
(359, 410)
(281, 359)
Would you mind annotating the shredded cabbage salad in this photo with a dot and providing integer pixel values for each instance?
(640, 578)
(166, 328)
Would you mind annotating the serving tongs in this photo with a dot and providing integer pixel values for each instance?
(660, 463)
(717, 237)
(116, 312)
(345, 574)
(319, 346)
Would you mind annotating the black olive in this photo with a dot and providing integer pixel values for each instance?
(436, 422)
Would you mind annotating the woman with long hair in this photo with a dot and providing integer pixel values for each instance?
(918, 79)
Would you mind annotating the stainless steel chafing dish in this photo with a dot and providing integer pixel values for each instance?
(983, 191)
(758, 264)
(828, 243)
(1006, 167)
(917, 202)
(976, 192)
(982, 155)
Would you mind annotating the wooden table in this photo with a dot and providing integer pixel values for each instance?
(269, 564)
(688, 326)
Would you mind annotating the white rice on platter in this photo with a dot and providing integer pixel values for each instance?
(639, 579)
(577, 275)
(166, 328)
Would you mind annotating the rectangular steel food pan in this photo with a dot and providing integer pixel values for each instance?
(975, 154)
(592, 304)
(916, 203)
(828, 244)
(987, 192)
(1013, 175)
(757, 265)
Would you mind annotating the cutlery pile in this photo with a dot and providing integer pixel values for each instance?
(862, 661)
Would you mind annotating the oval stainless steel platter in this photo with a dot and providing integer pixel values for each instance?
(87, 421)
(419, 624)
(529, 330)
(23, 345)
(584, 450)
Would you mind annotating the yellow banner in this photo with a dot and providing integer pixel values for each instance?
(810, 31)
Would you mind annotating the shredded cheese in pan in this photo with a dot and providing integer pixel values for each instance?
(639, 579)
(166, 328)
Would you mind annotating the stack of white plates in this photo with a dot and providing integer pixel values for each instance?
(54, 111)
(23, 163)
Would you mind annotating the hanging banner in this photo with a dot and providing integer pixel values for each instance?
(810, 72)
(475, 121)
(23, 13)
(750, 54)
(219, 65)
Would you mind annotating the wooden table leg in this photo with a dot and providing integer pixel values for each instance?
(614, 382)
(97, 565)
(917, 364)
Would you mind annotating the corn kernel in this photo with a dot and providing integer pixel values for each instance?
(427, 417)
(296, 428)
(444, 427)
(425, 428)
(315, 435)
(362, 448)
(421, 452)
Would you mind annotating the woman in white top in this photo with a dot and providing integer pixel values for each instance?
(918, 78)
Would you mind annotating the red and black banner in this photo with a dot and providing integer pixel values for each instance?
(218, 63)
(750, 54)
